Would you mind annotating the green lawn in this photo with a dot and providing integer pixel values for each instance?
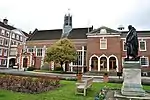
(66, 92)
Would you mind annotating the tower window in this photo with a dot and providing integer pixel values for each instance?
(66, 23)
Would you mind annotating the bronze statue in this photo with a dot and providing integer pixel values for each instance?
(132, 44)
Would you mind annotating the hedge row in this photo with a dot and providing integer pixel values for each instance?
(28, 84)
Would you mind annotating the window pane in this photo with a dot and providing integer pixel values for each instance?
(39, 52)
(1, 41)
(142, 45)
(103, 44)
(125, 47)
(30, 50)
(144, 61)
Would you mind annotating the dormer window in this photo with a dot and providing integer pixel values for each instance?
(103, 31)
(17, 37)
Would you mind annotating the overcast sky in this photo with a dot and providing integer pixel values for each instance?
(48, 14)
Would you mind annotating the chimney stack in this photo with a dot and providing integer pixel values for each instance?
(121, 28)
(5, 21)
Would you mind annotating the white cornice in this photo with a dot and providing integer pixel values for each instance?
(104, 35)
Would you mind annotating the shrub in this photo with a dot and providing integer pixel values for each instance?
(27, 84)
(71, 79)
(31, 68)
(58, 69)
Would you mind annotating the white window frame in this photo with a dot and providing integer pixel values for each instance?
(123, 45)
(147, 61)
(32, 50)
(0, 61)
(38, 52)
(7, 34)
(17, 36)
(78, 62)
(4, 61)
(101, 41)
(13, 35)
(140, 46)
(123, 60)
(13, 42)
(1, 51)
(5, 42)
(3, 31)
(1, 39)
(5, 53)
(20, 38)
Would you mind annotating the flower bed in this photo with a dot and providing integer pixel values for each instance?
(28, 84)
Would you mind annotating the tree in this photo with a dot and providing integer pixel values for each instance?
(63, 51)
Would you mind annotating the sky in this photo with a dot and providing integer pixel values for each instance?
(49, 14)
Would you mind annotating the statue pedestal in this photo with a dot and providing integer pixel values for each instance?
(132, 79)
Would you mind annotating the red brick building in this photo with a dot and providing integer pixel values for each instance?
(99, 49)
(10, 38)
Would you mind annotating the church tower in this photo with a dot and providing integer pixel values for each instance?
(67, 27)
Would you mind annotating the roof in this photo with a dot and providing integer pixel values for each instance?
(11, 28)
(6, 26)
(139, 33)
(103, 30)
(76, 33)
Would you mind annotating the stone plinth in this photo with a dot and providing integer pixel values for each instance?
(132, 79)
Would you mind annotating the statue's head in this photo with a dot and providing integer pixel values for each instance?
(130, 27)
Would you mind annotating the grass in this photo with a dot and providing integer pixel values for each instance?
(66, 92)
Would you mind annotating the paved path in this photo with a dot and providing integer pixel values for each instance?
(31, 73)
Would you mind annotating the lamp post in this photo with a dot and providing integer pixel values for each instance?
(77, 65)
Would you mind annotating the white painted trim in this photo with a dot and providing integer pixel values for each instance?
(139, 45)
(123, 60)
(117, 69)
(103, 55)
(139, 38)
(79, 50)
(99, 64)
(71, 66)
(101, 35)
(1, 51)
(82, 56)
(123, 43)
(147, 61)
(12, 57)
(2, 41)
(30, 59)
(100, 43)
(91, 61)
(0, 61)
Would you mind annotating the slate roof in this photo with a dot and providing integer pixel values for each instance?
(6, 26)
(11, 28)
(108, 30)
(76, 33)
(139, 33)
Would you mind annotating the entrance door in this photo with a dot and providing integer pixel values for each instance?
(12, 62)
(25, 62)
(103, 64)
(94, 63)
(112, 63)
